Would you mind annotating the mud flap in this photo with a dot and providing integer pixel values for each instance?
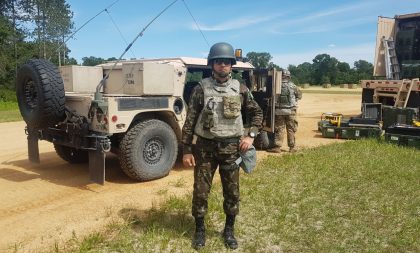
(97, 166)
(33, 149)
(97, 159)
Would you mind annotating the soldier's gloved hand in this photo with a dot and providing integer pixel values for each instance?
(188, 160)
(245, 143)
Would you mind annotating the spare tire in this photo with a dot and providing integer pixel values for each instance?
(40, 93)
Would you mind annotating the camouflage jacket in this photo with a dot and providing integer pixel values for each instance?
(250, 109)
(290, 96)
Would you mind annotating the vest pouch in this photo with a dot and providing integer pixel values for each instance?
(284, 100)
(207, 119)
(283, 111)
(231, 107)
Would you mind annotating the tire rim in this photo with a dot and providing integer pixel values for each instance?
(31, 95)
(153, 150)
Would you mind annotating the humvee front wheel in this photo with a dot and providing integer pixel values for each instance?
(148, 150)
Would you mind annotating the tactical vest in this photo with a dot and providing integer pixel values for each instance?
(221, 115)
(287, 98)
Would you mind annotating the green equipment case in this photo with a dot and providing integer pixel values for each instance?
(404, 135)
(352, 133)
(403, 140)
(394, 115)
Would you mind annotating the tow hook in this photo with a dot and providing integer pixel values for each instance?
(105, 144)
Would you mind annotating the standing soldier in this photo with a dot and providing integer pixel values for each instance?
(285, 114)
(214, 116)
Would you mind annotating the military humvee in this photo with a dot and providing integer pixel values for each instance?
(137, 112)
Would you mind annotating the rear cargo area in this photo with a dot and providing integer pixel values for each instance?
(407, 45)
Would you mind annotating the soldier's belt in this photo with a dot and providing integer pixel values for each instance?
(224, 140)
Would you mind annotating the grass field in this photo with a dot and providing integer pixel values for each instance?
(9, 111)
(357, 196)
(356, 92)
(333, 90)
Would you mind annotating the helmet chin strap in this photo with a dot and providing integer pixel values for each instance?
(221, 78)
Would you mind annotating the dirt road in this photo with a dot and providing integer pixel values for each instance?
(53, 201)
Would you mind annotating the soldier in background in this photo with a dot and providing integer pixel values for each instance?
(285, 114)
(214, 116)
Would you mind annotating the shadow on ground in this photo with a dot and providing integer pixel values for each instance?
(53, 169)
(142, 221)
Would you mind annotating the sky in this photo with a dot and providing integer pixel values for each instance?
(292, 32)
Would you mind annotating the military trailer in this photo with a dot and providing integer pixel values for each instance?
(397, 63)
(136, 112)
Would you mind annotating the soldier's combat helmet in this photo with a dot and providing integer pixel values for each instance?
(221, 50)
(286, 73)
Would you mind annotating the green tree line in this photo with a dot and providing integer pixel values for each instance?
(39, 28)
(32, 29)
(323, 69)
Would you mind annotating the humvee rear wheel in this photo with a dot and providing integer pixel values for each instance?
(71, 155)
(40, 93)
(148, 150)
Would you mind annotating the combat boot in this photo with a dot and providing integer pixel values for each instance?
(292, 150)
(199, 239)
(228, 234)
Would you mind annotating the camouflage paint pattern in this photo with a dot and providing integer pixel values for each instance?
(210, 155)
(290, 123)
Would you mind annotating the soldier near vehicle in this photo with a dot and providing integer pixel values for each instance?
(215, 117)
(285, 114)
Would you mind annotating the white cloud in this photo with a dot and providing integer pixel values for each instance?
(344, 54)
(331, 45)
(315, 22)
(323, 27)
(236, 23)
(332, 12)
(335, 11)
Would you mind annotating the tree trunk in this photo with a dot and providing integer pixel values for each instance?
(64, 52)
(14, 36)
(37, 21)
(43, 32)
(59, 56)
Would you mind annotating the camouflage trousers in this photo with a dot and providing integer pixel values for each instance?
(209, 155)
(290, 123)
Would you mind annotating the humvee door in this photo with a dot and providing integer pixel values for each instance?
(266, 84)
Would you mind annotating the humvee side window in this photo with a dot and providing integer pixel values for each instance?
(238, 76)
(194, 76)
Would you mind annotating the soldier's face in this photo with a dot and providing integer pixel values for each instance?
(222, 67)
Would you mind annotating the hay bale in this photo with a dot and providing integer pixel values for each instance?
(326, 85)
(352, 85)
(344, 85)
(305, 86)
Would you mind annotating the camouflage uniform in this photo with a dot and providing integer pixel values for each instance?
(212, 153)
(285, 116)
